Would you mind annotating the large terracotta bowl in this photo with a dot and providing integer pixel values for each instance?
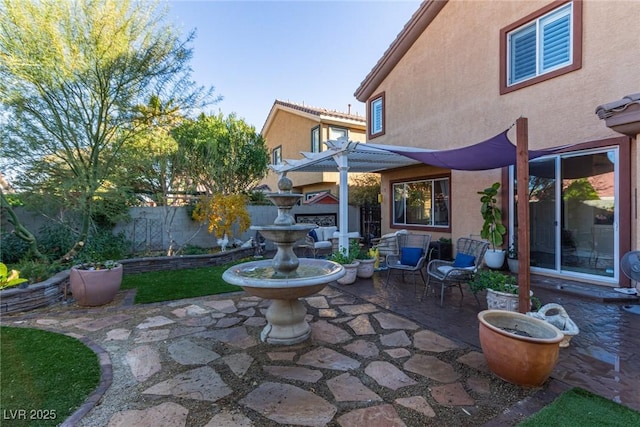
(95, 287)
(523, 360)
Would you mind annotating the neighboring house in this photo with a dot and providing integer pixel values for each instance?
(325, 198)
(293, 128)
(461, 72)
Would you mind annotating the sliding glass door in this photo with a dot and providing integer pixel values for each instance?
(573, 207)
(542, 213)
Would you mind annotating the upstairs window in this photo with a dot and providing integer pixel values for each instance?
(541, 46)
(316, 147)
(376, 116)
(276, 155)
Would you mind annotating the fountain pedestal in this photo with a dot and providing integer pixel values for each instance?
(286, 324)
(286, 278)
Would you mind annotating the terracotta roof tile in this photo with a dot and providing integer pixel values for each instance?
(607, 110)
(320, 111)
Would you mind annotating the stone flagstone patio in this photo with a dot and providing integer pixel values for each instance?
(200, 362)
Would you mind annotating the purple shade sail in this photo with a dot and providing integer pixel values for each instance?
(495, 152)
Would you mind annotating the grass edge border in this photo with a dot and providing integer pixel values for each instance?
(106, 378)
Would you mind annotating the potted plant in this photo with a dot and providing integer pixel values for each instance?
(350, 264)
(502, 290)
(512, 258)
(492, 229)
(365, 258)
(518, 348)
(95, 283)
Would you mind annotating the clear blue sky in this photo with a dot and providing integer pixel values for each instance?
(311, 52)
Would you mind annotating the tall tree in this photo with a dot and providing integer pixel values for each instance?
(72, 76)
(150, 162)
(364, 189)
(222, 154)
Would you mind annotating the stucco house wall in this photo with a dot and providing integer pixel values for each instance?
(444, 91)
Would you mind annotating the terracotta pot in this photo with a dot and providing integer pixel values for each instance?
(516, 358)
(351, 273)
(95, 287)
(366, 268)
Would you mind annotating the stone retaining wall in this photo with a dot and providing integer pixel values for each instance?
(56, 288)
(52, 290)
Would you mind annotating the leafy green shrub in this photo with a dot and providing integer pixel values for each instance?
(55, 239)
(359, 252)
(103, 245)
(341, 257)
(37, 271)
(495, 280)
(193, 250)
(112, 207)
(12, 248)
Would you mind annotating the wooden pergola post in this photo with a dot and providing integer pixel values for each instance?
(522, 179)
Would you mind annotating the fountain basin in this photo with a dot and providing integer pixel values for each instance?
(284, 233)
(259, 278)
(286, 324)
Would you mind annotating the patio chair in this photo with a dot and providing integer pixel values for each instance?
(469, 255)
(411, 257)
(387, 244)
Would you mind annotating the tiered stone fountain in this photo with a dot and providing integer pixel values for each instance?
(287, 277)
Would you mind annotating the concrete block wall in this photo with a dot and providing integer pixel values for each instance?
(152, 228)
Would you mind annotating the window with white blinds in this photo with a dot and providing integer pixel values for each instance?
(541, 46)
(376, 116)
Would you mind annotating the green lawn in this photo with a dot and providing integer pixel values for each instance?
(159, 286)
(45, 376)
(578, 407)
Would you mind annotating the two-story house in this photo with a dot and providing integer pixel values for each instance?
(293, 128)
(461, 72)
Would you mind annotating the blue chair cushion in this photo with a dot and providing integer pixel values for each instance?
(410, 256)
(464, 260)
(313, 235)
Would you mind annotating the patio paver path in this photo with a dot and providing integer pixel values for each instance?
(200, 362)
